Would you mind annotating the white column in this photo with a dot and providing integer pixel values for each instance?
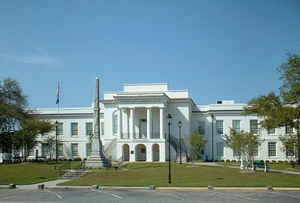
(162, 152)
(120, 128)
(125, 124)
(148, 152)
(149, 122)
(132, 156)
(131, 122)
(161, 123)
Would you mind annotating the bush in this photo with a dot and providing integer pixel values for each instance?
(77, 159)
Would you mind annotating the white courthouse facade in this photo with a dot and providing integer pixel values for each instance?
(134, 126)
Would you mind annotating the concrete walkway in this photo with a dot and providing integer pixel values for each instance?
(52, 183)
(258, 169)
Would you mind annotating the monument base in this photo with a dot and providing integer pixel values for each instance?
(96, 162)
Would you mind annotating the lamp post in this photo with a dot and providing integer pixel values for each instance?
(56, 133)
(169, 124)
(179, 126)
(212, 136)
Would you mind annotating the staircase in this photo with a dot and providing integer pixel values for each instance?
(174, 142)
(70, 174)
(109, 149)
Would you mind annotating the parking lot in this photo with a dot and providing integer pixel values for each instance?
(132, 196)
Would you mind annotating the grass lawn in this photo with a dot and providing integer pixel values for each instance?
(29, 173)
(145, 174)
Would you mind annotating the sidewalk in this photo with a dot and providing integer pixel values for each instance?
(52, 183)
(258, 169)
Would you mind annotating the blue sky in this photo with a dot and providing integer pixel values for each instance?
(215, 49)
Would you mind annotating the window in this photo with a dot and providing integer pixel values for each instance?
(45, 150)
(290, 152)
(235, 153)
(102, 128)
(31, 152)
(236, 125)
(74, 129)
(219, 126)
(74, 149)
(288, 129)
(60, 149)
(272, 148)
(271, 131)
(88, 149)
(201, 128)
(220, 149)
(60, 129)
(115, 124)
(253, 126)
(88, 128)
(255, 151)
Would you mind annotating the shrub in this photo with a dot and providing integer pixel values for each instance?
(77, 159)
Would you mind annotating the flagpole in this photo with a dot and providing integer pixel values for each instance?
(56, 123)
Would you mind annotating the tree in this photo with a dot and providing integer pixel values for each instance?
(235, 141)
(284, 109)
(243, 144)
(18, 126)
(197, 144)
(13, 113)
(31, 128)
(12, 105)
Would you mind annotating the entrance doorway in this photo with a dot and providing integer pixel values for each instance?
(125, 152)
(140, 152)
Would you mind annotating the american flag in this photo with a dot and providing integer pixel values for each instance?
(57, 94)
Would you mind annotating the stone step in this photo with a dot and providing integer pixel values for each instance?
(74, 174)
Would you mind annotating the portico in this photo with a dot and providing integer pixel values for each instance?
(141, 123)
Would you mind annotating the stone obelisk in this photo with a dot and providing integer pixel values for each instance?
(97, 159)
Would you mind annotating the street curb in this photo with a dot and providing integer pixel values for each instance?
(180, 188)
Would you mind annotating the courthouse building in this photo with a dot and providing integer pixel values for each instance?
(134, 126)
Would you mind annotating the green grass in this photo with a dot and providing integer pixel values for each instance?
(29, 173)
(140, 174)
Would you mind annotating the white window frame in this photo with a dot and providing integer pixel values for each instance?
(220, 127)
(272, 152)
(115, 124)
(201, 128)
(271, 131)
(74, 130)
(60, 128)
(88, 128)
(254, 128)
(76, 154)
(60, 152)
(239, 125)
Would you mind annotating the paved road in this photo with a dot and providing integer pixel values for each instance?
(138, 196)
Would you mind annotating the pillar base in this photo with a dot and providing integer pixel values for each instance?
(97, 162)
